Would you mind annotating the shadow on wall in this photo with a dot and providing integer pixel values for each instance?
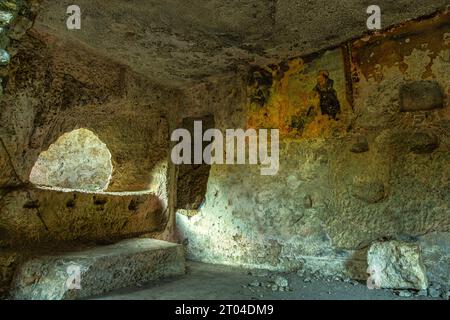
(71, 202)
(193, 178)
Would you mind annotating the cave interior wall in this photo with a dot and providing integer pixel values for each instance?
(377, 170)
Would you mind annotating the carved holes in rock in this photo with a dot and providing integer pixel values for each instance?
(78, 160)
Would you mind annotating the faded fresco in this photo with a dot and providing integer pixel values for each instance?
(303, 98)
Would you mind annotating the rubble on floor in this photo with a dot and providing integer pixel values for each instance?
(266, 281)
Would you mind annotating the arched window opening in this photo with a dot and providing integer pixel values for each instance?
(78, 160)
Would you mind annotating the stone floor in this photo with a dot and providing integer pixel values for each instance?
(212, 282)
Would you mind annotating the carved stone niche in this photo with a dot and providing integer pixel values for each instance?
(421, 96)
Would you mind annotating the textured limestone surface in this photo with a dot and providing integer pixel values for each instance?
(4, 57)
(396, 186)
(32, 217)
(8, 263)
(178, 42)
(397, 265)
(77, 160)
(303, 98)
(436, 255)
(358, 163)
(102, 269)
(53, 89)
(16, 17)
(192, 178)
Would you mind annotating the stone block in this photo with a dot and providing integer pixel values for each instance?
(99, 270)
(397, 265)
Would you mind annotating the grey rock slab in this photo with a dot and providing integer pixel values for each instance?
(100, 269)
(421, 95)
(397, 265)
(4, 57)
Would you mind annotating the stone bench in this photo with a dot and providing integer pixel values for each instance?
(98, 270)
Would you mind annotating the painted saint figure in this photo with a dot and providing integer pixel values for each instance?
(329, 103)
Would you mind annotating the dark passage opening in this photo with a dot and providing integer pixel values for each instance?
(193, 178)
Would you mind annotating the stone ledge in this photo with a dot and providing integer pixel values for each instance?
(102, 269)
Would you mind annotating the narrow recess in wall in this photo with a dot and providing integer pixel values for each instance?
(193, 178)
(347, 54)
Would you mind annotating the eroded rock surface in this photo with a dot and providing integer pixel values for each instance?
(420, 96)
(396, 188)
(178, 42)
(397, 265)
(102, 269)
(77, 160)
(32, 217)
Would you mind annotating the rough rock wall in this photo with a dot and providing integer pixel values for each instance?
(77, 160)
(56, 86)
(361, 160)
(180, 42)
(31, 218)
(51, 87)
(377, 170)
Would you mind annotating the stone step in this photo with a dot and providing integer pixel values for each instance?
(98, 270)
